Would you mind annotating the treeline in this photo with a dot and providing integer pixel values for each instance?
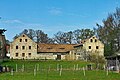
(71, 37)
(108, 33)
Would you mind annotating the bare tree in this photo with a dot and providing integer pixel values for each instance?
(109, 32)
(41, 37)
(81, 34)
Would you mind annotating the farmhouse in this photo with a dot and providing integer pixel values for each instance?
(87, 47)
(24, 48)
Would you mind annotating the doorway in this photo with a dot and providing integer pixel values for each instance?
(58, 57)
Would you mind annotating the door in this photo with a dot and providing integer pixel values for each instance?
(58, 57)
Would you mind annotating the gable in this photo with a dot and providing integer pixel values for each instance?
(22, 39)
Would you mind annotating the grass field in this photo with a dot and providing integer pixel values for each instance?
(49, 70)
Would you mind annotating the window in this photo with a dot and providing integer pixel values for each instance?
(23, 35)
(25, 40)
(23, 47)
(16, 54)
(16, 47)
(20, 40)
(29, 54)
(29, 47)
(95, 40)
(97, 47)
(23, 54)
(91, 40)
(49, 48)
(61, 48)
(89, 47)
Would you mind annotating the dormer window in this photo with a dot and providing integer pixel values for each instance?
(61, 48)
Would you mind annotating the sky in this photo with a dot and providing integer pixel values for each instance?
(52, 16)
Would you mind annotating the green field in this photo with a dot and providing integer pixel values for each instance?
(54, 70)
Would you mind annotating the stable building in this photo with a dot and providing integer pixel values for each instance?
(54, 51)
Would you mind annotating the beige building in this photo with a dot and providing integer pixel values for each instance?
(23, 48)
(91, 46)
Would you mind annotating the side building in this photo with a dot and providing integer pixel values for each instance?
(88, 47)
(54, 51)
(23, 48)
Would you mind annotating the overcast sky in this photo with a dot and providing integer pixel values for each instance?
(52, 16)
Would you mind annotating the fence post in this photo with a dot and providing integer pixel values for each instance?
(107, 71)
(23, 68)
(37, 67)
(84, 71)
(34, 72)
(60, 70)
(12, 72)
(77, 67)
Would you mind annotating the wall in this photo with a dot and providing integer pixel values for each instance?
(50, 56)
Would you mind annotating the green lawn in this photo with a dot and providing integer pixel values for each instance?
(47, 70)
